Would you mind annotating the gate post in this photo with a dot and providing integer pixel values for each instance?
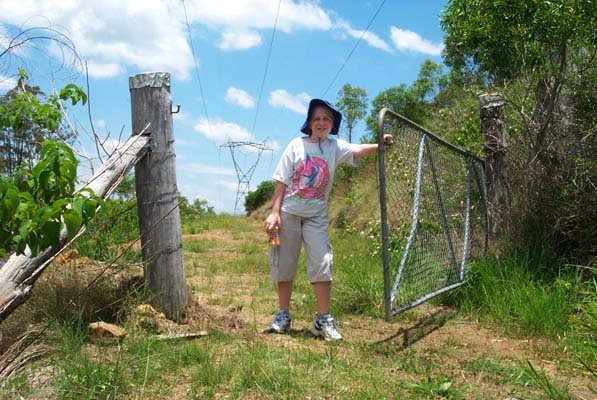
(157, 194)
(497, 176)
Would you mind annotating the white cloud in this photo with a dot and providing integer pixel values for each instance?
(239, 39)
(259, 14)
(183, 117)
(105, 69)
(273, 145)
(112, 35)
(101, 123)
(222, 131)
(7, 83)
(239, 97)
(297, 103)
(219, 193)
(111, 145)
(369, 37)
(238, 21)
(231, 186)
(183, 142)
(205, 169)
(411, 41)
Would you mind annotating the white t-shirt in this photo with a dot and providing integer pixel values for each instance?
(307, 170)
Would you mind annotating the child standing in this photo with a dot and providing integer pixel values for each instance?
(303, 179)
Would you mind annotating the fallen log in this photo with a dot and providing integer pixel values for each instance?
(20, 272)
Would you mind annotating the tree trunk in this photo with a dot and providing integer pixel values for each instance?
(499, 192)
(20, 272)
(157, 194)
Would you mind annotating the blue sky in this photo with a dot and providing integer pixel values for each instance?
(231, 40)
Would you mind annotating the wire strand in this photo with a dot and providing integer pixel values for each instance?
(353, 48)
(269, 53)
(196, 65)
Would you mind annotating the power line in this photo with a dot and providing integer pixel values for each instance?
(354, 48)
(196, 65)
(269, 53)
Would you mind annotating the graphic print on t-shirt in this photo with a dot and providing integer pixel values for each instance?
(311, 178)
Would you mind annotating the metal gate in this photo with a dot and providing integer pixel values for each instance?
(433, 213)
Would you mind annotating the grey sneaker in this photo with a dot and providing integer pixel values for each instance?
(325, 326)
(281, 322)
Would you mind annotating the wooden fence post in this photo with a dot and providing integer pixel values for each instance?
(157, 194)
(497, 176)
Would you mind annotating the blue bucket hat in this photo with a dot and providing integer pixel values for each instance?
(318, 102)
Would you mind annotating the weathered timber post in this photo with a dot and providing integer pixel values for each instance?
(157, 194)
(497, 176)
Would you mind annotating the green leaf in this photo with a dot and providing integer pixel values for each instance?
(77, 206)
(89, 208)
(51, 232)
(43, 215)
(73, 223)
(24, 229)
(19, 244)
(60, 203)
(11, 200)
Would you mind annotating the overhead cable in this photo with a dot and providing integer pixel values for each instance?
(354, 48)
(196, 65)
(269, 53)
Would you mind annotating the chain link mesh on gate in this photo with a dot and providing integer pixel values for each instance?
(433, 213)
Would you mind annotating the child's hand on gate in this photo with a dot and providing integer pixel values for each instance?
(388, 140)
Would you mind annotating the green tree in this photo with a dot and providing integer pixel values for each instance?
(414, 102)
(552, 44)
(258, 197)
(35, 204)
(198, 208)
(352, 103)
(541, 54)
(27, 118)
(126, 188)
(507, 38)
(36, 201)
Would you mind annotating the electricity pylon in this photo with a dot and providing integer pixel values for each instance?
(244, 178)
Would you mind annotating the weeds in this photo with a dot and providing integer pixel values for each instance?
(542, 381)
(431, 388)
(512, 294)
(238, 362)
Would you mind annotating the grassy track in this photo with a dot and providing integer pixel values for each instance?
(432, 352)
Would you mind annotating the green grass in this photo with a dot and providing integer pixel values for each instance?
(242, 363)
(359, 286)
(516, 295)
(512, 293)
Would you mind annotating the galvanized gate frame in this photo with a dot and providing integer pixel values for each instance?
(390, 290)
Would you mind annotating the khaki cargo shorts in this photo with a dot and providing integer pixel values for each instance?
(294, 231)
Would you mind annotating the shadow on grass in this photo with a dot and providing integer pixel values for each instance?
(406, 337)
(294, 333)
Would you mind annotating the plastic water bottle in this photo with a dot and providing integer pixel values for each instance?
(274, 237)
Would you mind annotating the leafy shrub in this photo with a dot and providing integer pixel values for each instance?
(36, 204)
(115, 226)
(259, 196)
(198, 208)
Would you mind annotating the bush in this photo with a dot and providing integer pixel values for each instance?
(199, 208)
(257, 198)
(114, 227)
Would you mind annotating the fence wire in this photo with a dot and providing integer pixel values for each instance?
(433, 213)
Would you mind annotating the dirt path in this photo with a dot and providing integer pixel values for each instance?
(241, 304)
